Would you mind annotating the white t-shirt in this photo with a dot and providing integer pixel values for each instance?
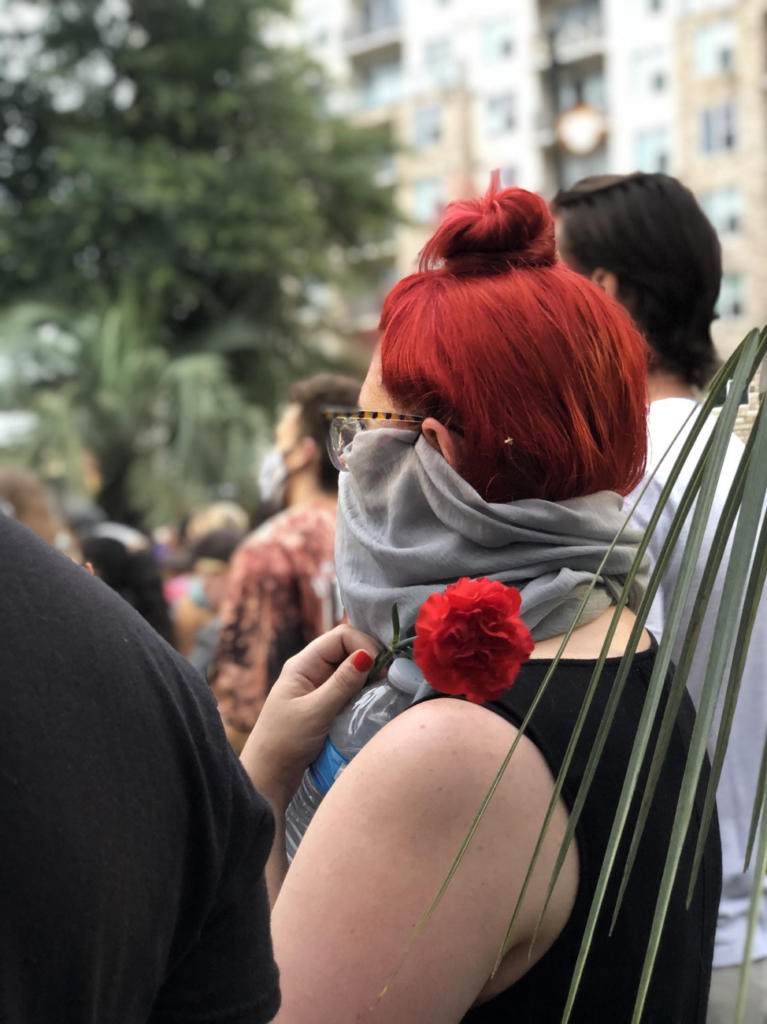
(737, 787)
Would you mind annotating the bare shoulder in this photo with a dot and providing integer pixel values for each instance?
(454, 730)
(380, 847)
(444, 754)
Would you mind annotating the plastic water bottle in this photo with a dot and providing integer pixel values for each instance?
(359, 721)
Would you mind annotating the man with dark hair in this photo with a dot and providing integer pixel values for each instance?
(644, 239)
(282, 590)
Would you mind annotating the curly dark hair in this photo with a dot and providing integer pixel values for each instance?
(315, 395)
(649, 231)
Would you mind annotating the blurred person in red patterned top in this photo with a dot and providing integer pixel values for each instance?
(282, 590)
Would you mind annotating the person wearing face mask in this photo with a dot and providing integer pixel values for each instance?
(282, 590)
(496, 435)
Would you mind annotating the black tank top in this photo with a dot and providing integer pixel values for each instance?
(679, 989)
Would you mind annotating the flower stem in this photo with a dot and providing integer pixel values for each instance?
(403, 645)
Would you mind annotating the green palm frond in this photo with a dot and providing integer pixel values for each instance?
(726, 625)
(755, 904)
(102, 382)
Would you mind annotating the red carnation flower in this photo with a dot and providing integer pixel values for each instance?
(470, 639)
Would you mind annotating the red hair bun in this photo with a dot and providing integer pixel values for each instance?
(505, 229)
(544, 374)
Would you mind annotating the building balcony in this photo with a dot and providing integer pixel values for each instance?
(575, 33)
(376, 27)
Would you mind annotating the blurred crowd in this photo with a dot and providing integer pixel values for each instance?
(236, 591)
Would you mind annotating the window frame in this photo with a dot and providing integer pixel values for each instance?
(438, 196)
(507, 116)
(427, 133)
(718, 129)
(734, 282)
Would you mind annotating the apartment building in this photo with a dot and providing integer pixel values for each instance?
(552, 90)
(721, 132)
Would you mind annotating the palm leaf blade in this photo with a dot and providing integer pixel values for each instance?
(757, 886)
(727, 618)
(678, 688)
(757, 810)
(751, 606)
(717, 387)
(580, 722)
(710, 474)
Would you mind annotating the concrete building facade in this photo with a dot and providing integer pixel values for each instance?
(661, 85)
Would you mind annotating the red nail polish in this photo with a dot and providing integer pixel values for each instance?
(362, 661)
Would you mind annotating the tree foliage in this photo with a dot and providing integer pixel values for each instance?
(162, 429)
(178, 146)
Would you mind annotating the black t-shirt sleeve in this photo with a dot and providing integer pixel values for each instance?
(229, 975)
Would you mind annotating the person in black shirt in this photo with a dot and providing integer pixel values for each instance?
(133, 845)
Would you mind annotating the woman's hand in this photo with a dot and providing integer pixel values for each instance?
(296, 718)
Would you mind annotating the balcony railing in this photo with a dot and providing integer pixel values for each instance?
(576, 25)
(372, 19)
(575, 31)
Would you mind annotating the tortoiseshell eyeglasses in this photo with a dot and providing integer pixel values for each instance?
(345, 425)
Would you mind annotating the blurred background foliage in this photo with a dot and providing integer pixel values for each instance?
(175, 205)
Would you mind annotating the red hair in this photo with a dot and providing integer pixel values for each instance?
(497, 337)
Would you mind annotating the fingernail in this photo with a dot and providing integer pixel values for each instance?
(362, 661)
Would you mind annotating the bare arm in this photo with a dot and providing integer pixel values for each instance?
(375, 855)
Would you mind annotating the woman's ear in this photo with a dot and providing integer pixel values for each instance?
(440, 438)
(606, 280)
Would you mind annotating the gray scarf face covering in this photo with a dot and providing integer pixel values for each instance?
(408, 525)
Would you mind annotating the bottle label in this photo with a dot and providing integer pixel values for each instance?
(328, 766)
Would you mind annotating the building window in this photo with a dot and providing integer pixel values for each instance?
(652, 151)
(501, 114)
(714, 48)
(689, 7)
(718, 129)
(381, 84)
(375, 15)
(732, 296)
(724, 208)
(578, 23)
(437, 59)
(427, 200)
(498, 41)
(649, 71)
(427, 126)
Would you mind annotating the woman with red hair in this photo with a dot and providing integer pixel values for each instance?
(508, 411)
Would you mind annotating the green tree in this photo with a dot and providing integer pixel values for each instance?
(175, 145)
(164, 430)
